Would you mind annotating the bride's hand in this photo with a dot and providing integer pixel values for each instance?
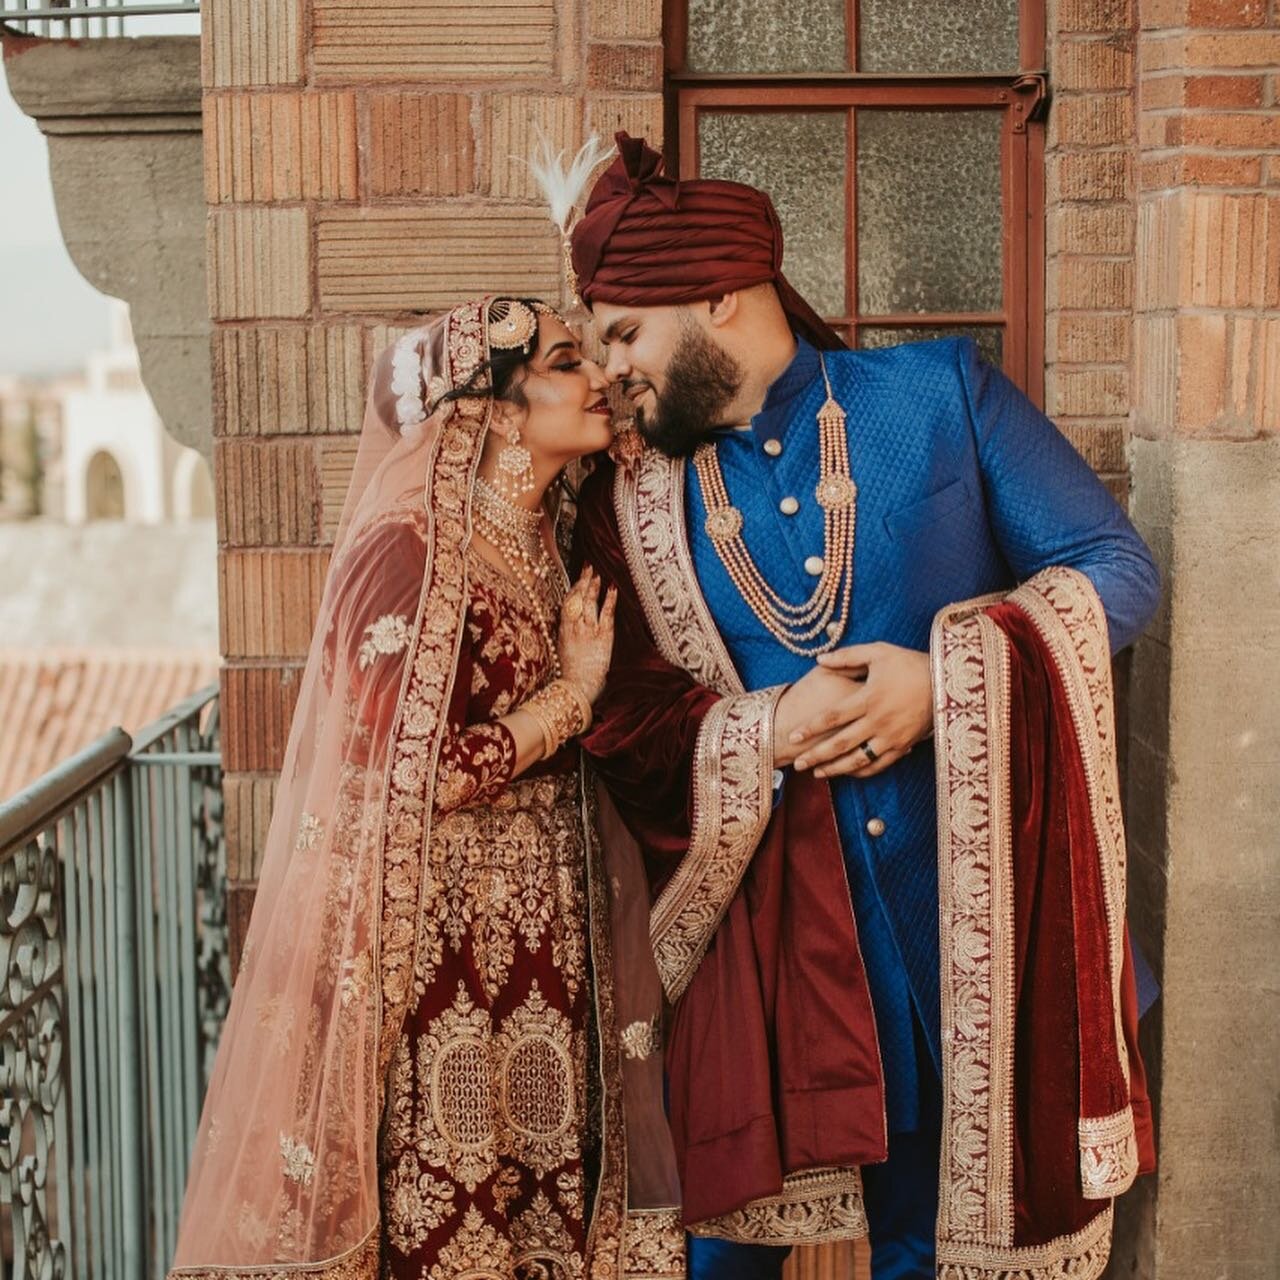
(586, 633)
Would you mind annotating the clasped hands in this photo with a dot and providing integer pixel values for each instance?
(867, 695)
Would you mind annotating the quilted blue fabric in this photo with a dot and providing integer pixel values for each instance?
(964, 487)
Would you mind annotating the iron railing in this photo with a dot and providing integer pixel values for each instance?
(83, 19)
(115, 980)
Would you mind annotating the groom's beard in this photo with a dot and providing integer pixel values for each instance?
(702, 381)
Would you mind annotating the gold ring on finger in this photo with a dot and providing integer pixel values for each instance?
(573, 607)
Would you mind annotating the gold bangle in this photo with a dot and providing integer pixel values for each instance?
(561, 710)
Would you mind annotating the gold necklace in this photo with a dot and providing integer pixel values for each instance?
(516, 534)
(794, 626)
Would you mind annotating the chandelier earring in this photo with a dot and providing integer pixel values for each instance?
(515, 469)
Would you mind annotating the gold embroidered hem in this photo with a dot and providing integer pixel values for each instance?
(1108, 1155)
(362, 1263)
(654, 1245)
(732, 805)
(1082, 1256)
(813, 1207)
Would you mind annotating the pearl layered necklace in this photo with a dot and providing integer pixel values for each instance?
(826, 612)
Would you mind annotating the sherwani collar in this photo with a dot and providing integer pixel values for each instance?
(779, 403)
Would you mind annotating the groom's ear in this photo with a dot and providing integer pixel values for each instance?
(723, 309)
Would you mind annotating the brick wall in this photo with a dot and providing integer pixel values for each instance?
(1089, 233)
(360, 170)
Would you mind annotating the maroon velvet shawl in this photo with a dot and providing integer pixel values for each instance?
(1046, 1117)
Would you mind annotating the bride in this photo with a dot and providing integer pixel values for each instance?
(446, 1019)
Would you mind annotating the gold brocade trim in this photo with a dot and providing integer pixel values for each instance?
(649, 503)
(642, 1040)
(976, 936)
(1108, 1155)
(1070, 619)
(1081, 1256)
(361, 1263)
(424, 697)
(654, 1245)
(607, 1230)
(970, 661)
(813, 1207)
(732, 805)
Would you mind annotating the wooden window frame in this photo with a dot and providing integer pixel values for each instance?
(1020, 96)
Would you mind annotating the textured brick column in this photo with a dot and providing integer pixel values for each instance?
(360, 172)
(1089, 231)
(1205, 699)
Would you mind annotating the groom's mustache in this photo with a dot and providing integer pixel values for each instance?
(630, 385)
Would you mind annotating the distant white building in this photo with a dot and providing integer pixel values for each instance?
(117, 461)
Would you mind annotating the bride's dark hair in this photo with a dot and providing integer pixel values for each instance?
(496, 378)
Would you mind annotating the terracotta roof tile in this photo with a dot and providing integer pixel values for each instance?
(54, 702)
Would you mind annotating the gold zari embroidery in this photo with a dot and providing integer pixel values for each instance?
(812, 1207)
(654, 1245)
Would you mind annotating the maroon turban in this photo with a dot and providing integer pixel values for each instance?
(649, 240)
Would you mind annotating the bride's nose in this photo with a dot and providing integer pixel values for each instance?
(595, 375)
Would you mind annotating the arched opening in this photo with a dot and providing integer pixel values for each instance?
(104, 488)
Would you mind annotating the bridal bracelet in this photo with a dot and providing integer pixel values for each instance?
(562, 711)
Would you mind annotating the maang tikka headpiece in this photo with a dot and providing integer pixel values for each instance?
(563, 186)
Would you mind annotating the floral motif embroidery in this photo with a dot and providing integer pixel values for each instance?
(655, 1245)
(642, 1039)
(299, 1160)
(416, 1203)
(477, 1251)
(361, 1263)
(1108, 1155)
(389, 634)
(310, 829)
(817, 1205)
(504, 873)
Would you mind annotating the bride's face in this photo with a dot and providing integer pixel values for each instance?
(565, 414)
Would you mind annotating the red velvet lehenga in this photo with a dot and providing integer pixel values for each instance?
(482, 1150)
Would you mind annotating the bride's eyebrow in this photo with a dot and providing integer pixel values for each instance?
(560, 346)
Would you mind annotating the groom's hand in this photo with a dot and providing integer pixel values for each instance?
(886, 703)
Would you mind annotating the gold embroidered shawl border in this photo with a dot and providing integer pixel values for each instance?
(970, 662)
(1081, 1256)
(654, 1245)
(428, 684)
(733, 759)
(813, 1207)
(1069, 616)
(364, 1262)
(607, 1241)
(732, 805)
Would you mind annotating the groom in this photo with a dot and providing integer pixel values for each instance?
(783, 535)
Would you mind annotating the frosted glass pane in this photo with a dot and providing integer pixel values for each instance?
(990, 340)
(913, 36)
(766, 35)
(799, 159)
(929, 231)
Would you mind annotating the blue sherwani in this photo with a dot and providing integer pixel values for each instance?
(964, 488)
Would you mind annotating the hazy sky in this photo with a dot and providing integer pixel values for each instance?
(50, 316)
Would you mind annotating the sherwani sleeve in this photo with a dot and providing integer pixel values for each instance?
(689, 768)
(377, 597)
(1047, 507)
(644, 737)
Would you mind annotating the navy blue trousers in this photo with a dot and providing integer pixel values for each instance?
(901, 1198)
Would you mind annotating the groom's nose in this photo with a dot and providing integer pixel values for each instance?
(617, 366)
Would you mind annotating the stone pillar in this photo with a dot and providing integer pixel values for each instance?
(122, 119)
(1205, 707)
(362, 167)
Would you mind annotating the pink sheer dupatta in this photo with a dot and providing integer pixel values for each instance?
(284, 1178)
